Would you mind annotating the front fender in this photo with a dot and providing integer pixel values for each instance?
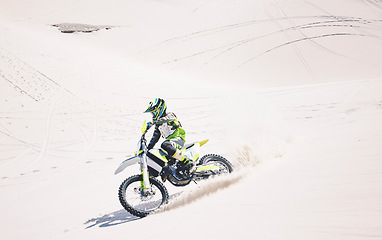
(126, 163)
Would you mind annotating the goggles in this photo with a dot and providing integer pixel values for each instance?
(155, 113)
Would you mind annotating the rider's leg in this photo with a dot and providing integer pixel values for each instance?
(172, 147)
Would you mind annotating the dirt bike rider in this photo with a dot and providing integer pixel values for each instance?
(167, 126)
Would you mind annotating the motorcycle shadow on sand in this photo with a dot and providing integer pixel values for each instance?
(111, 219)
(115, 218)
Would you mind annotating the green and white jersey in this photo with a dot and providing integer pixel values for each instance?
(170, 127)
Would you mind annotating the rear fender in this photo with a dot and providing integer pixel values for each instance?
(192, 150)
(203, 142)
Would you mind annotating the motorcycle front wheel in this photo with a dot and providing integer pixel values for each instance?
(141, 202)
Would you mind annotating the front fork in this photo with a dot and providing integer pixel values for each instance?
(145, 184)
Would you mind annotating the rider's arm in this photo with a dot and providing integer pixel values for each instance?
(155, 138)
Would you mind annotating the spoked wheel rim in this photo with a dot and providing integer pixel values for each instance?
(138, 201)
(223, 168)
(224, 164)
(143, 200)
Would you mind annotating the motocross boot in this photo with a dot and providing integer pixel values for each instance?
(187, 165)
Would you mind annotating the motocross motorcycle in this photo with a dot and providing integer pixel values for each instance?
(144, 193)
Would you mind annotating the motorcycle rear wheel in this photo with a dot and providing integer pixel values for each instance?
(140, 202)
(225, 165)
